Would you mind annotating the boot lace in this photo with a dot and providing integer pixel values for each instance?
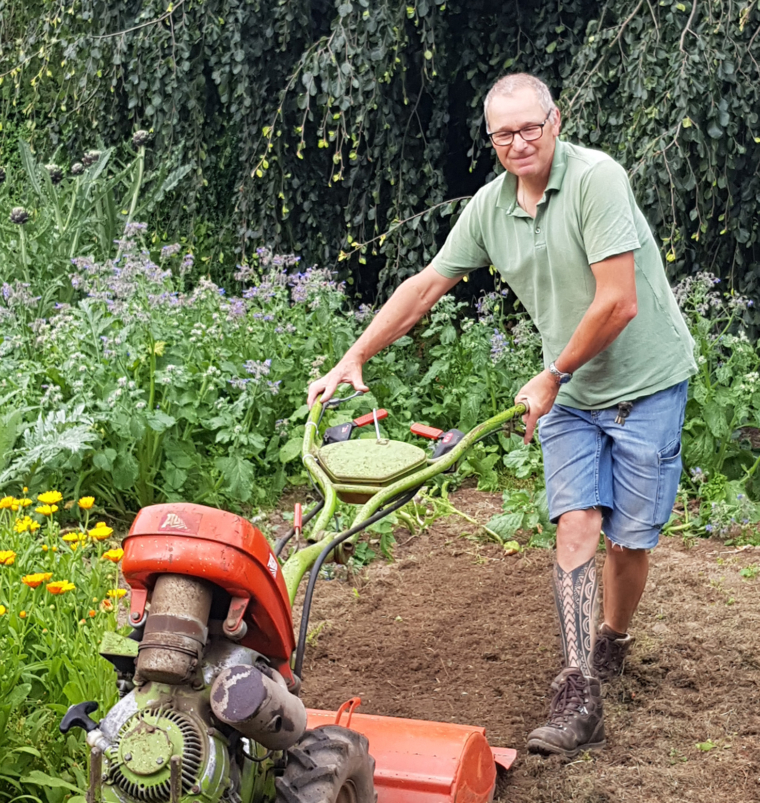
(569, 699)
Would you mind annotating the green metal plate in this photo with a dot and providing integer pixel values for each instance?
(370, 462)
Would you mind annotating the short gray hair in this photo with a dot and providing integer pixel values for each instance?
(510, 84)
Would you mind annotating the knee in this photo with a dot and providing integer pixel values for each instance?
(579, 528)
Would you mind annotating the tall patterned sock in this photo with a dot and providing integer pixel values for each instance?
(575, 594)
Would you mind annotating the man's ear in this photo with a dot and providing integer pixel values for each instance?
(556, 121)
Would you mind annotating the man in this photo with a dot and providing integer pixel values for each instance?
(563, 229)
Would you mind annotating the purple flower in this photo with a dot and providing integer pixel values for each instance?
(499, 346)
(258, 369)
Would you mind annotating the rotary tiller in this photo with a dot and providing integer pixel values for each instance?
(209, 678)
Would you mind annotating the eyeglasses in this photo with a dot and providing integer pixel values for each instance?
(529, 133)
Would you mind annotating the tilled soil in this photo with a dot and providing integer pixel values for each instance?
(454, 630)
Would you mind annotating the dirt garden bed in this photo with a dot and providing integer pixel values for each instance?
(456, 631)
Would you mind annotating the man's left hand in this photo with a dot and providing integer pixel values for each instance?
(538, 395)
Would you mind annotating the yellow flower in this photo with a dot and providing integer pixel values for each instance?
(35, 580)
(75, 538)
(55, 548)
(3, 610)
(117, 593)
(7, 557)
(25, 490)
(22, 615)
(86, 502)
(49, 497)
(101, 531)
(45, 547)
(60, 587)
(22, 525)
(8, 501)
(34, 526)
(114, 555)
(25, 502)
(46, 510)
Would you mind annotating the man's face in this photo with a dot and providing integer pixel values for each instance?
(512, 113)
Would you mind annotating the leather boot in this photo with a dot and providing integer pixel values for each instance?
(576, 719)
(610, 652)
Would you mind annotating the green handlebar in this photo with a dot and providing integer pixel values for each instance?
(302, 560)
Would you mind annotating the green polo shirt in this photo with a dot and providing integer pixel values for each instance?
(587, 214)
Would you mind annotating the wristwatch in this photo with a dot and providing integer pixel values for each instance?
(560, 377)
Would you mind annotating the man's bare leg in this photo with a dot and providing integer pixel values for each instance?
(625, 575)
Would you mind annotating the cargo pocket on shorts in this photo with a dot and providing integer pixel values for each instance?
(669, 474)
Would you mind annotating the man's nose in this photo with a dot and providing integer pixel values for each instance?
(518, 143)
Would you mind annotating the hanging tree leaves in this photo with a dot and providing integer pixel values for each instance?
(349, 132)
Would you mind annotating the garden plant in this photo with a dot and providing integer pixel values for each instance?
(59, 594)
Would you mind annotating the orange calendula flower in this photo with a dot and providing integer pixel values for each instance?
(114, 555)
(60, 587)
(22, 614)
(35, 580)
(45, 547)
(100, 531)
(117, 593)
(86, 502)
(49, 497)
(93, 614)
(106, 605)
(7, 557)
(8, 502)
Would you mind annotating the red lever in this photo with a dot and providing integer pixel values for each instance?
(297, 517)
(426, 432)
(363, 420)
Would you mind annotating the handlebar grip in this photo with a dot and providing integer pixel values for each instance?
(298, 517)
(363, 420)
(426, 432)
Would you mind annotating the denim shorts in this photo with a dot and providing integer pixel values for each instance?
(629, 471)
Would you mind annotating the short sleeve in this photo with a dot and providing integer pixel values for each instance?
(464, 249)
(608, 223)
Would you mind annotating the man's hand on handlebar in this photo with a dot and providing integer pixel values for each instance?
(349, 372)
(538, 395)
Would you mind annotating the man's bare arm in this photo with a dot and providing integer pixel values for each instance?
(613, 307)
(396, 317)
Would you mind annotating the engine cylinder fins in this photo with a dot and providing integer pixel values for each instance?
(140, 758)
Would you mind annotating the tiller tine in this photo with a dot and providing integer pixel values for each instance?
(416, 761)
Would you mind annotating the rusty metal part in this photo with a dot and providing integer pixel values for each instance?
(259, 706)
(175, 779)
(94, 790)
(176, 630)
(234, 626)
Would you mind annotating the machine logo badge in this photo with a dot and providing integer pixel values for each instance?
(272, 565)
(174, 522)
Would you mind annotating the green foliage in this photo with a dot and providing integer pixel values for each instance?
(145, 391)
(725, 393)
(311, 126)
(67, 214)
(525, 510)
(671, 89)
(49, 643)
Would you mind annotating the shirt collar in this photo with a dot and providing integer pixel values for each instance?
(508, 194)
